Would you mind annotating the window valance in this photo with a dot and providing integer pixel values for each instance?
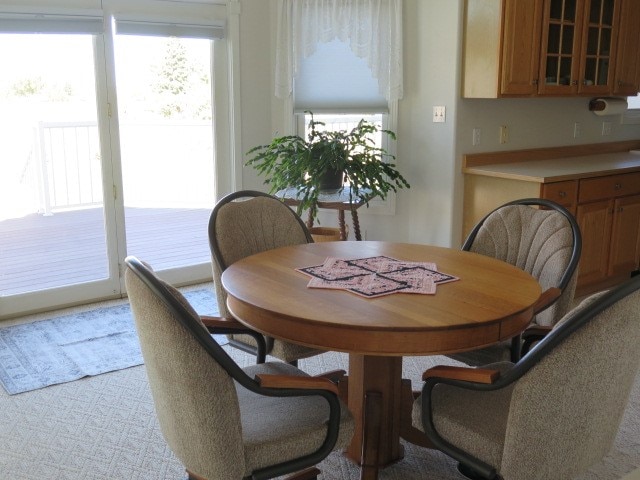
(372, 28)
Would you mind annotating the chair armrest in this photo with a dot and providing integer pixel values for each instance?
(229, 325)
(292, 381)
(472, 378)
(476, 375)
(546, 299)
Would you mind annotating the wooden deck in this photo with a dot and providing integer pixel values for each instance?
(39, 252)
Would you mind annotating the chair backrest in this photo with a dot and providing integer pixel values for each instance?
(194, 396)
(569, 403)
(249, 222)
(543, 242)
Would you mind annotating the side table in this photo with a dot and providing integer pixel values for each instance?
(338, 200)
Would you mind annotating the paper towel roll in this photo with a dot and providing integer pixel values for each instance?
(608, 106)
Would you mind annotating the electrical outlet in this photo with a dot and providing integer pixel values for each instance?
(476, 136)
(577, 130)
(606, 128)
(504, 134)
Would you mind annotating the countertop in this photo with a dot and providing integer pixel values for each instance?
(560, 169)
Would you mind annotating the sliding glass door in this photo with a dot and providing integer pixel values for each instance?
(52, 222)
(166, 147)
(106, 151)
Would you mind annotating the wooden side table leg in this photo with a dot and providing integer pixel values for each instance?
(342, 225)
(356, 224)
(312, 212)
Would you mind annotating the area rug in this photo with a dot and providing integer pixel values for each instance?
(66, 348)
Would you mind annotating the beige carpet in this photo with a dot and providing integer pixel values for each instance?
(104, 428)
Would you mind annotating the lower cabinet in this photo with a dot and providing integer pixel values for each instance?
(608, 213)
(607, 209)
(624, 256)
(595, 225)
(611, 241)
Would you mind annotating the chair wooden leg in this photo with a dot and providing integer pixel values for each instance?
(307, 474)
(371, 424)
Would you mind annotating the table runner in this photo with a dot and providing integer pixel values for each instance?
(376, 276)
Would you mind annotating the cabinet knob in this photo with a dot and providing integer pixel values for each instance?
(562, 194)
(534, 81)
(617, 186)
(574, 82)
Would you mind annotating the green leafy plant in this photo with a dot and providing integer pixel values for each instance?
(291, 161)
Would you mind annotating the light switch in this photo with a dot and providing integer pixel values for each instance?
(439, 114)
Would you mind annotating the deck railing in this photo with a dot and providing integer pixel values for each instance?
(68, 165)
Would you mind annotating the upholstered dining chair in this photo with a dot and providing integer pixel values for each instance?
(542, 238)
(242, 224)
(555, 412)
(220, 420)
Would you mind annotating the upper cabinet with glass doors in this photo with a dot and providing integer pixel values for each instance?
(549, 47)
(578, 44)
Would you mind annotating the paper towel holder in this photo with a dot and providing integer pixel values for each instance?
(608, 105)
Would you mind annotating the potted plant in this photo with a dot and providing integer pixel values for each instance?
(310, 166)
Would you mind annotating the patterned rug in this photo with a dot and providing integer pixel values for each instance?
(66, 348)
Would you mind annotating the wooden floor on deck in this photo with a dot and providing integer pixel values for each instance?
(39, 252)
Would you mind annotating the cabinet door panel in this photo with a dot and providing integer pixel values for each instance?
(627, 75)
(599, 40)
(595, 224)
(625, 236)
(521, 47)
(561, 43)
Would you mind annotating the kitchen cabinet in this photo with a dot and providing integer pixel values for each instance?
(602, 190)
(595, 225)
(609, 217)
(624, 256)
(501, 48)
(578, 46)
(627, 71)
(563, 193)
(517, 48)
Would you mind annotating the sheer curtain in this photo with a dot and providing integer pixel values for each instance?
(372, 28)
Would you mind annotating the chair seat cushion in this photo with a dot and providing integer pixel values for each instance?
(471, 420)
(276, 429)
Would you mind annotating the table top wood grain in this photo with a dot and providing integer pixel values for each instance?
(492, 301)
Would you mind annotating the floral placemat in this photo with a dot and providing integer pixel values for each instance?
(376, 276)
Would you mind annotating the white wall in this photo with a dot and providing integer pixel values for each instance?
(428, 154)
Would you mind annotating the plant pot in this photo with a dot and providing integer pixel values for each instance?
(324, 234)
(331, 180)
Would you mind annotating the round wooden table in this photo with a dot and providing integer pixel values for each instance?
(491, 301)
